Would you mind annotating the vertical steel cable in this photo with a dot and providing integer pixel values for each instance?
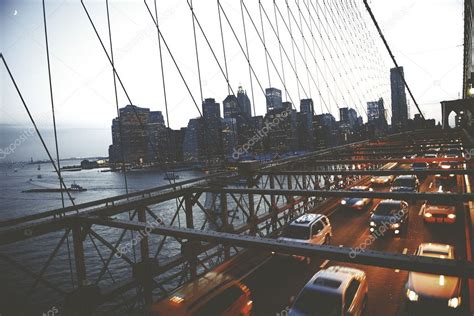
(264, 45)
(223, 46)
(56, 136)
(279, 48)
(116, 98)
(248, 54)
(292, 47)
(195, 46)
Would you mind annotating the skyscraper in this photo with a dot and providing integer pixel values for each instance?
(244, 102)
(399, 99)
(273, 96)
(212, 128)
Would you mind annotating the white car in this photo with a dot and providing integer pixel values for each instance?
(425, 287)
(333, 291)
(308, 228)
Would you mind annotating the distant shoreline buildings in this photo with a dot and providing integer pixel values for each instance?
(140, 135)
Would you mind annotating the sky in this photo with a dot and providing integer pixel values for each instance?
(425, 36)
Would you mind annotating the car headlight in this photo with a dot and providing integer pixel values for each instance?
(343, 202)
(372, 223)
(428, 215)
(372, 180)
(412, 296)
(451, 216)
(359, 203)
(454, 302)
(396, 225)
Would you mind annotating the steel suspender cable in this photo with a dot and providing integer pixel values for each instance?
(391, 55)
(248, 54)
(116, 99)
(292, 48)
(35, 126)
(195, 46)
(52, 103)
(265, 45)
(223, 47)
(279, 48)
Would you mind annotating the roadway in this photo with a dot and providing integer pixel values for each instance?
(280, 278)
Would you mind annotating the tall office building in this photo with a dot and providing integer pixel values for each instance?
(231, 107)
(399, 99)
(273, 96)
(348, 116)
(212, 128)
(244, 102)
(375, 110)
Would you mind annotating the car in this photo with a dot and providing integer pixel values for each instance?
(212, 294)
(447, 165)
(358, 203)
(308, 228)
(432, 155)
(439, 212)
(405, 183)
(451, 153)
(336, 290)
(420, 166)
(389, 216)
(382, 180)
(432, 288)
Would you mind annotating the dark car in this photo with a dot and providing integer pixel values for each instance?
(389, 216)
(405, 183)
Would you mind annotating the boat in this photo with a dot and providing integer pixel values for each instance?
(39, 167)
(73, 188)
(39, 176)
(171, 176)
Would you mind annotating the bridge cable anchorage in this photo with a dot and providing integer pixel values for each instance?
(369, 10)
(124, 171)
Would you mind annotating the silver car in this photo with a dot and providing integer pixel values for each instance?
(336, 290)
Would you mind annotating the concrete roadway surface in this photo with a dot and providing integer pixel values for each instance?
(277, 280)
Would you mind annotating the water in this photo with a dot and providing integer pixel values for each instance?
(32, 253)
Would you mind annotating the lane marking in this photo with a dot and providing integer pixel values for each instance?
(324, 264)
(421, 210)
(405, 250)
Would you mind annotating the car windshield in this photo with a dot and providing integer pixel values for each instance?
(419, 165)
(317, 303)
(296, 232)
(404, 183)
(387, 209)
(358, 189)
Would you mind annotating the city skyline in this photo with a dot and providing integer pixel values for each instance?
(140, 41)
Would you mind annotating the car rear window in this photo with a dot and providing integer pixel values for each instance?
(387, 209)
(219, 303)
(404, 182)
(318, 303)
(296, 232)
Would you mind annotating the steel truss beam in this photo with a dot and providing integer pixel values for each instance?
(432, 196)
(378, 172)
(458, 268)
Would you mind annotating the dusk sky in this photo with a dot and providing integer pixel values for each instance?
(426, 38)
